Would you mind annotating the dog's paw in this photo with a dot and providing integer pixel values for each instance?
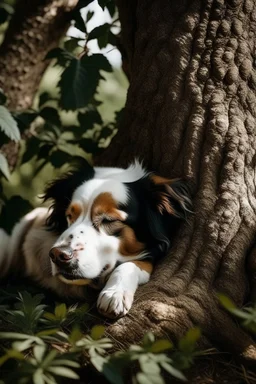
(114, 303)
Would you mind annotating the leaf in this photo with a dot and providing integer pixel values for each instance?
(187, 343)
(51, 115)
(62, 56)
(24, 119)
(63, 371)
(43, 98)
(61, 311)
(101, 33)
(8, 125)
(11, 354)
(226, 302)
(89, 16)
(97, 332)
(31, 149)
(160, 346)
(88, 145)
(38, 377)
(75, 86)
(79, 81)
(143, 378)
(59, 158)
(15, 204)
(90, 117)
(4, 167)
(79, 22)
(97, 61)
(39, 351)
(148, 339)
(173, 371)
(103, 3)
(75, 335)
(83, 3)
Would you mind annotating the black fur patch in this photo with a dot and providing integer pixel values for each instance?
(61, 191)
(152, 226)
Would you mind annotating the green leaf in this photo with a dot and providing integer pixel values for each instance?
(75, 86)
(4, 167)
(62, 56)
(160, 346)
(24, 119)
(173, 371)
(63, 371)
(8, 125)
(61, 311)
(51, 115)
(83, 3)
(101, 33)
(97, 61)
(43, 98)
(39, 351)
(32, 146)
(11, 354)
(143, 378)
(88, 145)
(97, 332)
(226, 302)
(15, 204)
(188, 342)
(75, 335)
(104, 3)
(38, 377)
(59, 158)
(88, 118)
(148, 339)
(79, 22)
(89, 16)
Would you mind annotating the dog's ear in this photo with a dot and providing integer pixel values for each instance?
(171, 196)
(60, 191)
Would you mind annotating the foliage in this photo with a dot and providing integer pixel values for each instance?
(45, 342)
(247, 315)
(48, 140)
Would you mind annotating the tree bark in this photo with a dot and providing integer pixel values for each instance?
(35, 28)
(191, 111)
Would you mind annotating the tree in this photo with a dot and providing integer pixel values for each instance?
(190, 111)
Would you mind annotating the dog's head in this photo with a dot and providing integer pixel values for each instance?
(106, 216)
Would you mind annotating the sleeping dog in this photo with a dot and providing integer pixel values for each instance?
(106, 228)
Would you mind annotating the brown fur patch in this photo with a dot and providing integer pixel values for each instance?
(164, 193)
(73, 212)
(130, 245)
(144, 265)
(160, 180)
(105, 205)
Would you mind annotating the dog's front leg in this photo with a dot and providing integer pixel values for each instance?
(116, 298)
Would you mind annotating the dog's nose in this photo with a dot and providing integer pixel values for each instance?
(60, 255)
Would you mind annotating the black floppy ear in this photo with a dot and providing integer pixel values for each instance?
(60, 191)
(171, 196)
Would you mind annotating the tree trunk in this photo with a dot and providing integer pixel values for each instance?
(191, 111)
(36, 27)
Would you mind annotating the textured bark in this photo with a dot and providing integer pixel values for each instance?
(35, 28)
(191, 111)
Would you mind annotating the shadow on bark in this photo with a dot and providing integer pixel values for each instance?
(191, 111)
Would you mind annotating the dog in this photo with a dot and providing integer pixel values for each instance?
(106, 227)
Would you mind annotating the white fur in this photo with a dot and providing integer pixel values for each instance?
(116, 298)
(31, 242)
